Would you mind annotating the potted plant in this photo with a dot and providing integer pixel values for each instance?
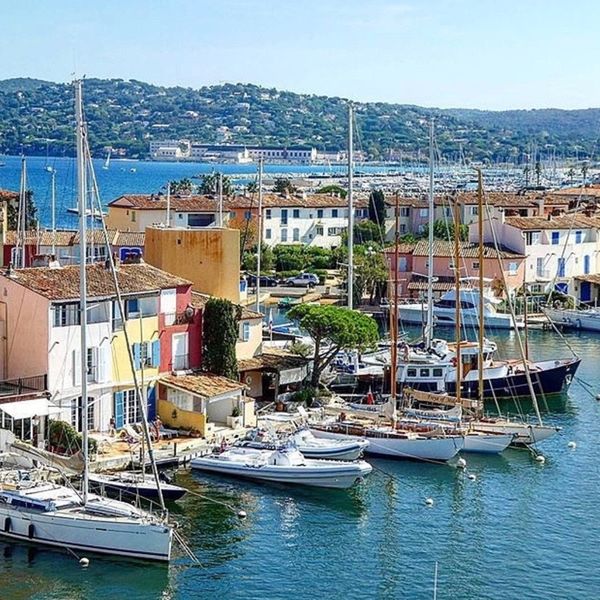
(235, 420)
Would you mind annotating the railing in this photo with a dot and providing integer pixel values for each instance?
(23, 385)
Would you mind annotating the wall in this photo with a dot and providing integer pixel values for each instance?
(24, 352)
(210, 257)
(253, 346)
(184, 419)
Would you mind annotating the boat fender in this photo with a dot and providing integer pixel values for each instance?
(31, 531)
(7, 524)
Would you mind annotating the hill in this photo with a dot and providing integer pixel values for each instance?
(36, 116)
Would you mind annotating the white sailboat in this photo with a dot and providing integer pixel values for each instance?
(46, 513)
(106, 164)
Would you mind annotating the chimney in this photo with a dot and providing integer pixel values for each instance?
(541, 204)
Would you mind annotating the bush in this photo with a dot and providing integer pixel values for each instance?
(286, 274)
(321, 274)
(306, 395)
(63, 438)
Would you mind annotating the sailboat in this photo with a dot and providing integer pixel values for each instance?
(106, 164)
(44, 512)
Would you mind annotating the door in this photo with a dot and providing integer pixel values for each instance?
(586, 291)
(179, 354)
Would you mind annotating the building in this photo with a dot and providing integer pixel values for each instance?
(42, 304)
(170, 150)
(208, 257)
(558, 249)
(413, 260)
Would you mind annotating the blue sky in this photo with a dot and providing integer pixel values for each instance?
(468, 53)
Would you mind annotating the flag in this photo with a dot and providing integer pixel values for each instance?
(270, 321)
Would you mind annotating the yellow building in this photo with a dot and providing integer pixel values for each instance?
(208, 257)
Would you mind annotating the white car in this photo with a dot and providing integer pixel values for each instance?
(304, 279)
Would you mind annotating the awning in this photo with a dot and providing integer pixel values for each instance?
(25, 409)
(293, 375)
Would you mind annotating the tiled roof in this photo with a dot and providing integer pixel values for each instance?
(446, 248)
(588, 190)
(63, 283)
(206, 385)
(592, 278)
(130, 238)
(199, 301)
(562, 222)
(159, 202)
(42, 237)
(294, 201)
(8, 195)
(272, 360)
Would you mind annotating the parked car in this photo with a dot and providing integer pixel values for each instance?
(265, 281)
(303, 280)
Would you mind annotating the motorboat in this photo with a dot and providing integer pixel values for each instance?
(129, 485)
(308, 445)
(44, 512)
(283, 465)
(444, 310)
(587, 319)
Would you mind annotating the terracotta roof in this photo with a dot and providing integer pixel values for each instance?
(593, 278)
(206, 385)
(571, 221)
(588, 190)
(8, 195)
(272, 360)
(446, 248)
(42, 237)
(199, 301)
(438, 286)
(295, 201)
(130, 238)
(159, 202)
(63, 284)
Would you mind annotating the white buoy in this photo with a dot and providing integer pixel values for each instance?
(461, 463)
(242, 514)
(472, 476)
(84, 562)
(541, 459)
(429, 501)
(597, 396)
(572, 445)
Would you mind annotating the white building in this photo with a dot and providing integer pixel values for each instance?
(170, 150)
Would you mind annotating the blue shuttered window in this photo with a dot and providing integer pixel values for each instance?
(137, 356)
(151, 408)
(156, 353)
(119, 410)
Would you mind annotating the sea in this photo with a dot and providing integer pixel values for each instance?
(520, 529)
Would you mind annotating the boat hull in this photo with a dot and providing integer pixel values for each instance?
(102, 536)
(130, 489)
(415, 314)
(336, 475)
(489, 443)
(524, 434)
(586, 320)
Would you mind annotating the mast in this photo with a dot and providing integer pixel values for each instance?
(81, 203)
(220, 199)
(429, 326)
(22, 216)
(350, 206)
(457, 333)
(53, 207)
(168, 204)
(481, 315)
(394, 319)
(259, 232)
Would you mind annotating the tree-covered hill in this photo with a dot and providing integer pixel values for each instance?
(37, 117)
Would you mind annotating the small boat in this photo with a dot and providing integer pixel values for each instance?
(106, 164)
(586, 319)
(308, 445)
(129, 485)
(283, 465)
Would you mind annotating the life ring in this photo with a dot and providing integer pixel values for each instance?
(31, 531)
(7, 524)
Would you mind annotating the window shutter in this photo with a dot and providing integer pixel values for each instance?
(151, 408)
(103, 357)
(156, 353)
(246, 331)
(119, 409)
(137, 356)
(76, 368)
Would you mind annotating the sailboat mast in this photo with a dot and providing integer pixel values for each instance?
(168, 204)
(457, 301)
(394, 311)
(481, 314)
(53, 201)
(350, 206)
(259, 231)
(22, 216)
(429, 326)
(81, 203)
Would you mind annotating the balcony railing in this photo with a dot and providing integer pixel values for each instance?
(22, 386)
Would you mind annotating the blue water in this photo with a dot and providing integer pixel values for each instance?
(520, 530)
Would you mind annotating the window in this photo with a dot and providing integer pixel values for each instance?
(334, 230)
(284, 235)
(141, 307)
(284, 216)
(179, 351)
(532, 237)
(403, 228)
(438, 372)
(98, 313)
(319, 213)
(475, 265)
(474, 210)
(424, 372)
(232, 214)
(561, 267)
(133, 216)
(200, 220)
(66, 315)
(512, 268)
(245, 331)
(77, 409)
(146, 354)
(411, 372)
(296, 213)
(405, 211)
(586, 264)
(402, 264)
(126, 408)
(319, 229)
(578, 237)
(539, 266)
(555, 238)
(268, 213)
(423, 212)
(117, 319)
(247, 215)
(296, 234)
(132, 308)
(92, 364)
(267, 234)
(334, 213)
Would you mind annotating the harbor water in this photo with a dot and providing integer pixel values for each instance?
(520, 529)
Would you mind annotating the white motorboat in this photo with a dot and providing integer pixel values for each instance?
(444, 310)
(587, 319)
(392, 443)
(283, 465)
(308, 445)
(129, 485)
(45, 513)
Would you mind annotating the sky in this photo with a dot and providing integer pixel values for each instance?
(447, 53)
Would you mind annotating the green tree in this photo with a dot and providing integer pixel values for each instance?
(184, 187)
(12, 213)
(444, 230)
(332, 329)
(377, 207)
(338, 190)
(284, 186)
(209, 184)
(370, 274)
(367, 231)
(250, 260)
(219, 337)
